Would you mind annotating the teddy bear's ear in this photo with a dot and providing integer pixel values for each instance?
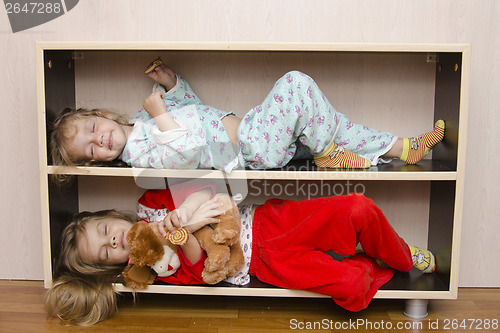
(138, 277)
(145, 246)
(135, 230)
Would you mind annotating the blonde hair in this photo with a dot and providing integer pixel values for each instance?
(80, 300)
(83, 293)
(59, 140)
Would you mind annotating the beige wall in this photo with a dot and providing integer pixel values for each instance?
(396, 21)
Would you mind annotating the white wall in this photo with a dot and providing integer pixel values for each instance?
(389, 21)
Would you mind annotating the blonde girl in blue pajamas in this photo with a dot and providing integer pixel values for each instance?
(176, 130)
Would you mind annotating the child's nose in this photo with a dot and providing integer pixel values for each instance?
(113, 242)
(99, 139)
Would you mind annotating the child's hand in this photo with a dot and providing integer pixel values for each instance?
(182, 215)
(170, 222)
(165, 76)
(176, 219)
(204, 215)
(154, 104)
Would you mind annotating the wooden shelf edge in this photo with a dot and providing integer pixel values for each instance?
(255, 174)
(249, 46)
(279, 292)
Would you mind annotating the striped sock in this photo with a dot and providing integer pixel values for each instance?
(423, 260)
(339, 157)
(414, 149)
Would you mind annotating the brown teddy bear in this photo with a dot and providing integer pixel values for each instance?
(221, 242)
(150, 251)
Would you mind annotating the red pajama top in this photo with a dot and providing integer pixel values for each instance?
(166, 200)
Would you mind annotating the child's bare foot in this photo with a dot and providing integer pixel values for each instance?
(414, 149)
(163, 74)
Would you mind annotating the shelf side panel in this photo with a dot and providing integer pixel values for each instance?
(447, 106)
(59, 93)
(63, 205)
(59, 87)
(440, 235)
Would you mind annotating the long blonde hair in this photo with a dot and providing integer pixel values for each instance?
(83, 293)
(80, 300)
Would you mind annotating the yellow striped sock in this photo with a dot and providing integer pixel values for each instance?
(339, 157)
(414, 149)
(423, 260)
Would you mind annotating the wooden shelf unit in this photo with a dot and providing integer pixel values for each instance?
(65, 70)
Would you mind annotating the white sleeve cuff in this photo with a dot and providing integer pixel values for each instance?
(166, 137)
(163, 90)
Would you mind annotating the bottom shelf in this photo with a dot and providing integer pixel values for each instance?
(410, 285)
(418, 282)
(404, 285)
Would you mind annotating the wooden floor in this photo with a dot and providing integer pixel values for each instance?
(476, 310)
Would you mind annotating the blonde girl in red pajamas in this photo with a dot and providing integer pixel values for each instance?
(289, 241)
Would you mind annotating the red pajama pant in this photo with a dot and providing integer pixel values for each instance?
(290, 239)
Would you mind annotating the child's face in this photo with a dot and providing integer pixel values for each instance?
(95, 138)
(105, 241)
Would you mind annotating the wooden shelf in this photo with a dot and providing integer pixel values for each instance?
(440, 179)
(304, 170)
(251, 46)
(422, 287)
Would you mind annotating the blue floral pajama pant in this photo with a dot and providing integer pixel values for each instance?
(296, 109)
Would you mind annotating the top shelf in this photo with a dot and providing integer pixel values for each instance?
(250, 46)
(426, 170)
(377, 79)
